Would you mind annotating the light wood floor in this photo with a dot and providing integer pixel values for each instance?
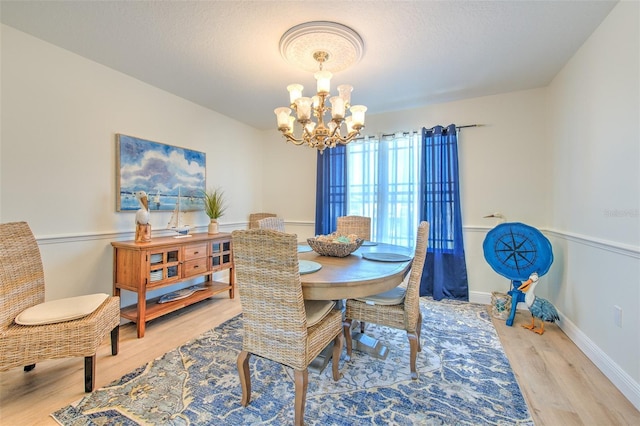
(561, 386)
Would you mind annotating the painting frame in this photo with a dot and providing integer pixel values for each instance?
(167, 173)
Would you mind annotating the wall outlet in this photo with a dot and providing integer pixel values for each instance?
(617, 315)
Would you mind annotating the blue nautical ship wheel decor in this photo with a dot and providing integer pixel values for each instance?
(515, 250)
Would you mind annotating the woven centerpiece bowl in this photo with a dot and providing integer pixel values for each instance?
(334, 249)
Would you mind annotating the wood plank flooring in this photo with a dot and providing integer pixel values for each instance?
(561, 386)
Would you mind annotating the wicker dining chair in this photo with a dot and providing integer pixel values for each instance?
(255, 217)
(358, 225)
(274, 223)
(398, 308)
(278, 323)
(22, 291)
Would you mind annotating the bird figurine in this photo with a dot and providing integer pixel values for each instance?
(539, 307)
(142, 215)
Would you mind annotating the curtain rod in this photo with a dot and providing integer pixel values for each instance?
(406, 133)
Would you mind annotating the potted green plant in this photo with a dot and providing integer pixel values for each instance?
(214, 207)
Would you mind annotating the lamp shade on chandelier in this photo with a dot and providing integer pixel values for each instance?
(323, 119)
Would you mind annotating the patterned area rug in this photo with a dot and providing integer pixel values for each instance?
(465, 379)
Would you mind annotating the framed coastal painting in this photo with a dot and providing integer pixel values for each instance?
(173, 177)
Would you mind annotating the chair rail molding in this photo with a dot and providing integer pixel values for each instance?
(122, 235)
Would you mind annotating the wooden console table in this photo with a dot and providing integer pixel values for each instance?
(165, 261)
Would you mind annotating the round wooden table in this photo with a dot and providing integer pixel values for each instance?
(353, 276)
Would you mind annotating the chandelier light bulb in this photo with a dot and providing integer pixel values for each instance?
(344, 91)
(295, 92)
(349, 123)
(337, 107)
(357, 112)
(303, 107)
(292, 120)
(282, 115)
(309, 127)
(324, 82)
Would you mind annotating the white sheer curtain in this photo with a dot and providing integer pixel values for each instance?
(383, 183)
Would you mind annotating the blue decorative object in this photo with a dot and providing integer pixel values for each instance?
(515, 251)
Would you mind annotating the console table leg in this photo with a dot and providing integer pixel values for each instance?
(142, 313)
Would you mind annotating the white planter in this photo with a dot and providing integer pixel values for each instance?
(213, 227)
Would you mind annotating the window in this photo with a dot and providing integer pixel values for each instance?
(383, 178)
(398, 181)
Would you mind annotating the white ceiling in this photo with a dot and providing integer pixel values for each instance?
(224, 55)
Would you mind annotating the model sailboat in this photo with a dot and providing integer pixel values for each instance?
(156, 200)
(174, 222)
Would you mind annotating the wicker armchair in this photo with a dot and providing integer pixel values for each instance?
(255, 217)
(22, 287)
(275, 223)
(398, 308)
(359, 225)
(278, 324)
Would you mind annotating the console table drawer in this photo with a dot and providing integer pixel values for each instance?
(195, 267)
(195, 251)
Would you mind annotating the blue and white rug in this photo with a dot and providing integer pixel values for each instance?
(465, 379)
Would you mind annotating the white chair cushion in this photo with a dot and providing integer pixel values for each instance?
(317, 309)
(392, 297)
(61, 310)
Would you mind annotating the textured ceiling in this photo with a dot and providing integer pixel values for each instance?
(224, 55)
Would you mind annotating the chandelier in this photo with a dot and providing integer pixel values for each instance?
(332, 126)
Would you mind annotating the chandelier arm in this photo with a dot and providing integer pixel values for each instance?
(350, 137)
(336, 129)
(293, 140)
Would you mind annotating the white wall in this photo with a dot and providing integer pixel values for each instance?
(60, 113)
(289, 183)
(594, 107)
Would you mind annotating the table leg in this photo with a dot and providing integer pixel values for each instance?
(367, 344)
(320, 362)
(360, 342)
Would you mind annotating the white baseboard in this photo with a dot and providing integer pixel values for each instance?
(620, 379)
(625, 383)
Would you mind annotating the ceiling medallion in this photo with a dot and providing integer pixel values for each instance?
(322, 46)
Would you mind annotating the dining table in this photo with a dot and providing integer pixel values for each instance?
(373, 268)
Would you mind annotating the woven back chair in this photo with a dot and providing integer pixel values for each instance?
(277, 323)
(22, 287)
(255, 217)
(358, 225)
(398, 308)
(275, 223)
